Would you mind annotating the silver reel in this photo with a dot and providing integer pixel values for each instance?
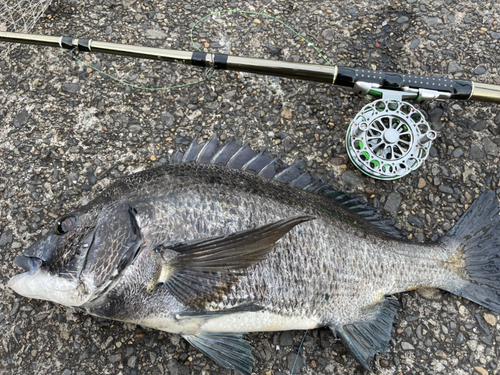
(388, 139)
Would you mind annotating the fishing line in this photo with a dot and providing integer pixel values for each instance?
(209, 75)
(298, 352)
(259, 14)
(73, 56)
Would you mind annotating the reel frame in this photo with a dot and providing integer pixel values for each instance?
(388, 139)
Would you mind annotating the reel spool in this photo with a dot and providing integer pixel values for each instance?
(388, 139)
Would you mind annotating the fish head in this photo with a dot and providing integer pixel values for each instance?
(81, 254)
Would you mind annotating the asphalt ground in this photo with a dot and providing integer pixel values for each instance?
(59, 118)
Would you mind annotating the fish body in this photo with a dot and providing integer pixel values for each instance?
(225, 241)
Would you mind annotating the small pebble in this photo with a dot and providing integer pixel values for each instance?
(481, 370)
(490, 319)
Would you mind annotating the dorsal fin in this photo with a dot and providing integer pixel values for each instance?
(193, 151)
(241, 157)
(208, 150)
(225, 153)
(235, 156)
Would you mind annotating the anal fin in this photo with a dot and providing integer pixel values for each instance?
(228, 350)
(366, 338)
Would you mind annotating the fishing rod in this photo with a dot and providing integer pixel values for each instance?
(387, 139)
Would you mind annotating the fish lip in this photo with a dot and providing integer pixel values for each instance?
(29, 264)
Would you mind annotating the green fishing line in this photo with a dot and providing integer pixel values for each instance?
(259, 14)
(135, 86)
(195, 46)
(298, 352)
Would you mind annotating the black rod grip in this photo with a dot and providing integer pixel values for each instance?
(396, 81)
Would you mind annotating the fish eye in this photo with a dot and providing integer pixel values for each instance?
(64, 226)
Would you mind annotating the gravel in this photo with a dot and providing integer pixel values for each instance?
(61, 121)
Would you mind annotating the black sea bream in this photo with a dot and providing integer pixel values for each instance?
(224, 241)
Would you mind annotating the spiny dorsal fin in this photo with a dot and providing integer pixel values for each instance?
(241, 157)
(208, 150)
(225, 153)
(193, 151)
(235, 156)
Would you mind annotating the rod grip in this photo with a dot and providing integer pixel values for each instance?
(396, 81)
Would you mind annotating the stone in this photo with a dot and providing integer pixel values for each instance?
(490, 147)
(392, 204)
(431, 20)
(453, 67)
(286, 113)
(495, 35)
(70, 88)
(415, 221)
(155, 34)
(64, 335)
(430, 293)
(475, 152)
(328, 34)
(457, 152)
(497, 119)
(490, 319)
(91, 176)
(421, 183)
(5, 238)
(479, 125)
(22, 118)
(288, 144)
(134, 129)
(414, 44)
(481, 370)
(435, 118)
(115, 358)
(445, 189)
(167, 119)
(131, 361)
(472, 344)
(479, 70)
(353, 179)
(228, 95)
(175, 369)
(407, 346)
(402, 19)
(293, 359)
(286, 339)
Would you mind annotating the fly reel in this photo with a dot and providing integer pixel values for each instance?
(388, 139)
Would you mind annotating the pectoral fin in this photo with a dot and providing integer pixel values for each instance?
(366, 338)
(228, 350)
(200, 271)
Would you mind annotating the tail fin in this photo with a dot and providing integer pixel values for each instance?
(476, 241)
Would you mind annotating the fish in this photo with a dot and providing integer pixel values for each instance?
(224, 241)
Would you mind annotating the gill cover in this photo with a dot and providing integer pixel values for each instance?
(115, 245)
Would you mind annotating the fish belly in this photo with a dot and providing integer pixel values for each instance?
(259, 321)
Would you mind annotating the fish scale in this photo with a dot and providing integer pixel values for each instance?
(210, 252)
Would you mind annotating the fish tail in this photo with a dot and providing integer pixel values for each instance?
(474, 244)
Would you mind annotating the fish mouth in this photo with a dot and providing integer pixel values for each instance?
(27, 263)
